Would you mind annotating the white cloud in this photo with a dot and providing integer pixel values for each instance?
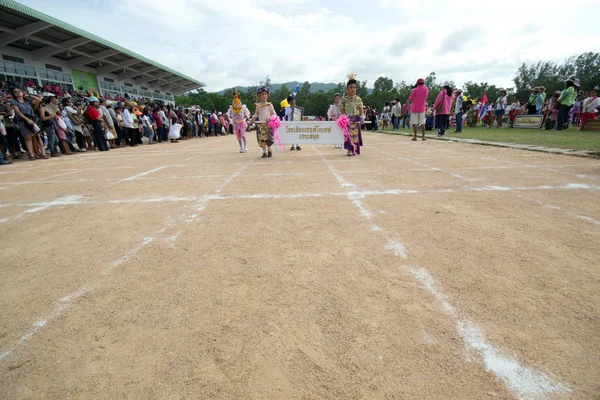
(239, 42)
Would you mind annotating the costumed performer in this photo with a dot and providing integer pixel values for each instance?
(264, 111)
(334, 112)
(239, 113)
(352, 106)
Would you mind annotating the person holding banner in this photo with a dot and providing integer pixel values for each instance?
(289, 115)
(264, 111)
(239, 113)
(352, 106)
(334, 112)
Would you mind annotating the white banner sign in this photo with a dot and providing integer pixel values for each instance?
(315, 132)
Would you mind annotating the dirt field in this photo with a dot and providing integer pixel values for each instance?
(427, 270)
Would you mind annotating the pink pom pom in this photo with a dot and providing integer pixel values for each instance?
(343, 121)
(275, 122)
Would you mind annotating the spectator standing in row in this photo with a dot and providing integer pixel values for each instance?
(500, 109)
(405, 113)
(531, 103)
(396, 114)
(442, 107)
(418, 106)
(566, 100)
(127, 115)
(111, 133)
(95, 116)
(458, 110)
(590, 105)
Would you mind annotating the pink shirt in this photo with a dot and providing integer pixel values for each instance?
(445, 101)
(418, 97)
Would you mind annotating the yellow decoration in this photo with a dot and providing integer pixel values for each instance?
(284, 103)
(237, 103)
(351, 75)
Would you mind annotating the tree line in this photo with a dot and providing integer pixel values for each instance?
(550, 74)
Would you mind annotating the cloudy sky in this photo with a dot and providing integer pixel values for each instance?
(225, 43)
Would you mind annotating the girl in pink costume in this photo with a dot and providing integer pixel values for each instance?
(239, 113)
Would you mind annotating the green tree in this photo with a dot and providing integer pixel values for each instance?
(361, 89)
(383, 84)
(304, 91)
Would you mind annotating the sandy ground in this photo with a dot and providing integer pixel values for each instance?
(418, 270)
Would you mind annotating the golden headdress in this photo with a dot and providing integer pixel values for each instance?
(236, 106)
(351, 76)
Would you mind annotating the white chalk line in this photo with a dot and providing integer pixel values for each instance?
(519, 164)
(353, 194)
(134, 177)
(524, 382)
(64, 302)
(203, 154)
(567, 212)
(61, 201)
(431, 167)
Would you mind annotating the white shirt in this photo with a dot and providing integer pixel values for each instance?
(289, 113)
(127, 118)
(501, 103)
(459, 103)
(589, 105)
(334, 112)
(71, 110)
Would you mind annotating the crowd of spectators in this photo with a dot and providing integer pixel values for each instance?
(569, 107)
(40, 123)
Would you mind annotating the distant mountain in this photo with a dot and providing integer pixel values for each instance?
(314, 87)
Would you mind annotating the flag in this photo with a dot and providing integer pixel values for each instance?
(484, 100)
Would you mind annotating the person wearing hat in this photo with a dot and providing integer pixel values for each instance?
(264, 111)
(566, 100)
(94, 113)
(533, 101)
(543, 92)
(111, 133)
(418, 106)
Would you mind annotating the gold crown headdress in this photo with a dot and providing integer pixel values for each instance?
(351, 76)
(237, 103)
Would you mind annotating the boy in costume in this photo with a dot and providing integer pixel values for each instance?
(264, 111)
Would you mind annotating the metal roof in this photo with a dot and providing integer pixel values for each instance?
(44, 36)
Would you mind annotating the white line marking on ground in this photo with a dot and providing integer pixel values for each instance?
(134, 177)
(67, 200)
(145, 242)
(525, 383)
(397, 247)
(64, 302)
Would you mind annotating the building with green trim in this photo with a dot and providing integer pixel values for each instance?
(44, 49)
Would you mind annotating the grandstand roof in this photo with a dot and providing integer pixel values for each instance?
(27, 29)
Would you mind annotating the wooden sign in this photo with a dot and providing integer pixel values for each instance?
(592, 125)
(528, 121)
